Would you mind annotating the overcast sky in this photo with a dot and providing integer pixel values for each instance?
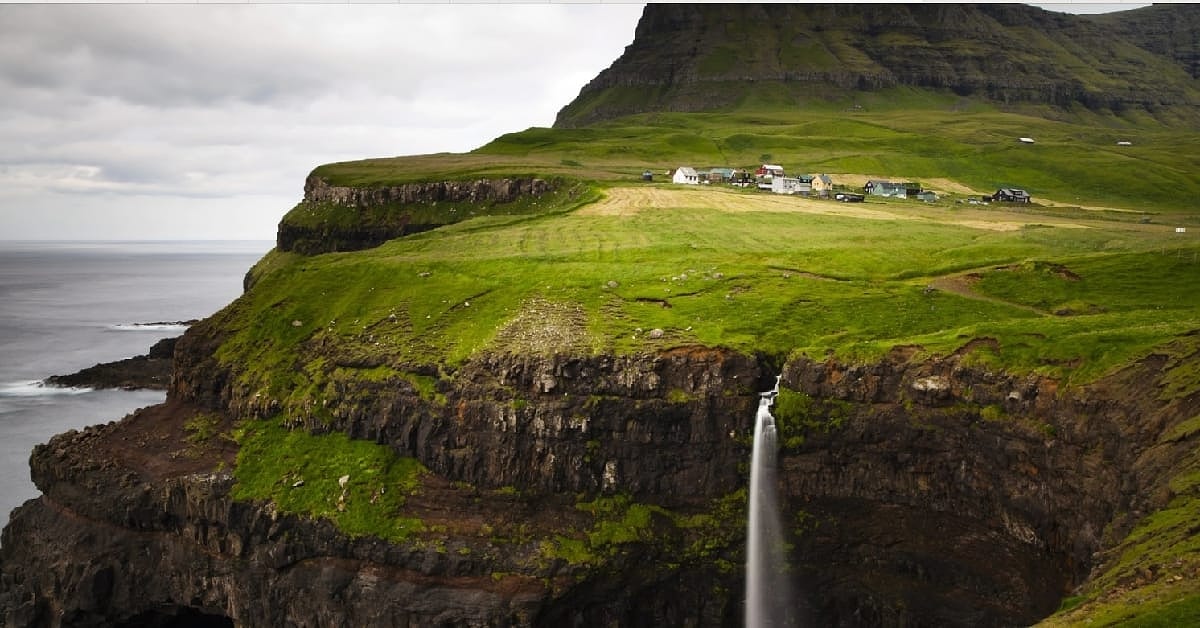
(200, 121)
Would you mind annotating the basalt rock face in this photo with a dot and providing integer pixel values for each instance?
(365, 217)
(921, 493)
(1171, 30)
(711, 57)
(121, 544)
(966, 516)
(661, 426)
(317, 190)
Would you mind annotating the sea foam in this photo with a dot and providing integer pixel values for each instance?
(150, 326)
(39, 388)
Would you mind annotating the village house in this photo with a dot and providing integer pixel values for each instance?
(791, 185)
(891, 189)
(720, 175)
(822, 185)
(766, 173)
(686, 175)
(1011, 195)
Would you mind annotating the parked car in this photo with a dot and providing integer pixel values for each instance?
(847, 197)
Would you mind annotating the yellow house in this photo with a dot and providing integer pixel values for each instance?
(822, 185)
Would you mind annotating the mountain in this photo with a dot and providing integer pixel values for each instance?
(717, 57)
(1171, 30)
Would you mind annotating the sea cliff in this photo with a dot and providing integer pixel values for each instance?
(923, 492)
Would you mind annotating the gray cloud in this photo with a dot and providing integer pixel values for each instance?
(124, 121)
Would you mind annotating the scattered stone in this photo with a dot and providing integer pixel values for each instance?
(612, 285)
(933, 383)
(344, 480)
(296, 323)
(655, 334)
(297, 483)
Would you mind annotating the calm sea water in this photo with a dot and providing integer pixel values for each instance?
(68, 305)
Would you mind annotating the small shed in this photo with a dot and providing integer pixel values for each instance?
(927, 196)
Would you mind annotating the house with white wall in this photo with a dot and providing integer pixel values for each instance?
(686, 175)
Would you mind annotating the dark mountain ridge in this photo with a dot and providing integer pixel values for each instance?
(718, 57)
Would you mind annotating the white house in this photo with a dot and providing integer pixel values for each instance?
(791, 185)
(766, 173)
(686, 175)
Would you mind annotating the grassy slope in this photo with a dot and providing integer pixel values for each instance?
(900, 133)
(763, 279)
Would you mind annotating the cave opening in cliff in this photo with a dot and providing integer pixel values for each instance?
(177, 617)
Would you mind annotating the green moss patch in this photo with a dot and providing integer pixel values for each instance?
(358, 485)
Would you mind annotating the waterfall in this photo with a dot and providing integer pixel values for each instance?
(768, 595)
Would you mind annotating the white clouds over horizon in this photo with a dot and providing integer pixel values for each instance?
(201, 121)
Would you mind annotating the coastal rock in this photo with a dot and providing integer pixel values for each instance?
(150, 371)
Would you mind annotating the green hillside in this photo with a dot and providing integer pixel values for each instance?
(1096, 275)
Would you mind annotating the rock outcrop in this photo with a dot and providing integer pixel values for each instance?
(317, 190)
(350, 218)
(150, 371)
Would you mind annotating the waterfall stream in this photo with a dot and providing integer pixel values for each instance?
(768, 596)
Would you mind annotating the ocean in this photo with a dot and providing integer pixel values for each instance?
(68, 305)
